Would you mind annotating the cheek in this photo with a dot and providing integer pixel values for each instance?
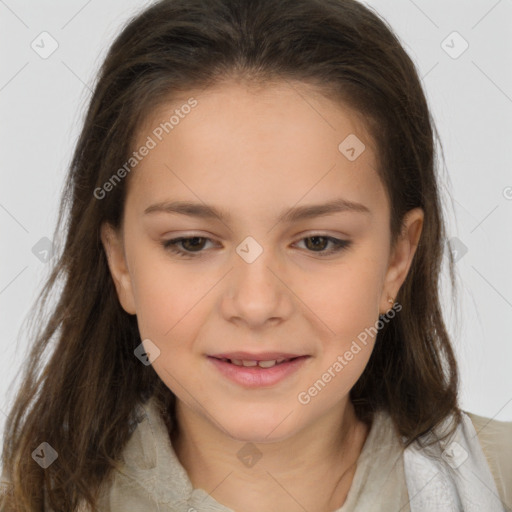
(350, 307)
(168, 314)
(162, 296)
(156, 303)
(170, 306)
(347, 299)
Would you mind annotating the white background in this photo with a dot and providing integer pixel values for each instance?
(42, 102)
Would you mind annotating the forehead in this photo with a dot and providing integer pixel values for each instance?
(255, 144)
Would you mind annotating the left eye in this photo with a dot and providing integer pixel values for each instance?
(194, 245)
(320, 241)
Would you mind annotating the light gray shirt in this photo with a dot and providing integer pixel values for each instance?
(154, 479)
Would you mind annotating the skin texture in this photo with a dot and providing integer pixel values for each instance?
(254, 153)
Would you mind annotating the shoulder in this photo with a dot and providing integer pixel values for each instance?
(495, 438)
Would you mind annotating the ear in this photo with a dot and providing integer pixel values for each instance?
(402, 256)
(114, 249)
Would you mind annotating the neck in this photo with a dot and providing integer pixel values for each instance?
(311, 469)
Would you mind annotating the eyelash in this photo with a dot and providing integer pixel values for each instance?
(171, 245)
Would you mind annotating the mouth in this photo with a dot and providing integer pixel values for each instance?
(257, 370)
(262, 360)
(261, 363)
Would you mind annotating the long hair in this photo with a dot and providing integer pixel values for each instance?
(81, 400)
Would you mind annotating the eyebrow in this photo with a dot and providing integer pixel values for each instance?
(298, 213)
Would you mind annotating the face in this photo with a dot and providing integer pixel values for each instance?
(229, 256)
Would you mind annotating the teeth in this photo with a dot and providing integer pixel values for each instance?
(262, 364)
(267, 364)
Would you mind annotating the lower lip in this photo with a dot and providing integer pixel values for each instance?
(255, 376)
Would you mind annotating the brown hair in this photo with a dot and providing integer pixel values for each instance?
(348, 52)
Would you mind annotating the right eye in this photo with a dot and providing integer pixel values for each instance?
(190, 245)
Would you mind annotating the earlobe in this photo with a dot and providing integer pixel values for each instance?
(113, 246)
(402, 256)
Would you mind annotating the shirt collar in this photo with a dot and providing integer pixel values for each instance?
(150, 459)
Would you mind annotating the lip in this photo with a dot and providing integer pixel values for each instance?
(254, 376)
(261, 356)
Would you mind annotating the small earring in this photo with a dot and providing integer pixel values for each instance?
(391, 301)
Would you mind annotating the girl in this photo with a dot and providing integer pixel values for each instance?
(249, 317)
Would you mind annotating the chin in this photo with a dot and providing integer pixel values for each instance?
(260, 427)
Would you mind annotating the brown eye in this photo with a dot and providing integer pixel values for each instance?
(193, 244)
(318, 242)
(190, 246)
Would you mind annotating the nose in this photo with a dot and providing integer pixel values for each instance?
(256, 293)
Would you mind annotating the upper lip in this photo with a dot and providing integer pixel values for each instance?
(261, 356)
